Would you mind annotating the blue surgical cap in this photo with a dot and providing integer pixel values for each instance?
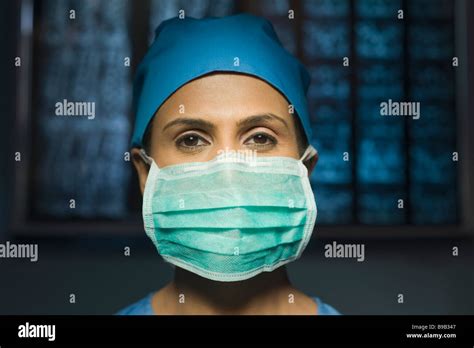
(185, 49)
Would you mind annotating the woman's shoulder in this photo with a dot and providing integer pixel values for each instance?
(324, 308)
(141, 307)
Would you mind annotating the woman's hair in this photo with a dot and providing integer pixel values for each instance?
(300, 136)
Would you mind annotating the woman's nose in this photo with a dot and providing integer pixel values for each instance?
(226, 146)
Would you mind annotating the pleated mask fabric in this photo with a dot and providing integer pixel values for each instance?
(229, 219)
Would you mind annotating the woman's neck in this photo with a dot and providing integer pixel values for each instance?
(266, 293)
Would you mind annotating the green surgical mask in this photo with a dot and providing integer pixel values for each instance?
(230, 218)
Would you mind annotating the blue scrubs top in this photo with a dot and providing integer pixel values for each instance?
(143, 307)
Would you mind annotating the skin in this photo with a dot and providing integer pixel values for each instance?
(234, 112)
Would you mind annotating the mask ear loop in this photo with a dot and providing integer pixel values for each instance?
(310, 152)
(147, 159)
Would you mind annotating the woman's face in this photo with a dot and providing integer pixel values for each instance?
(222, 111)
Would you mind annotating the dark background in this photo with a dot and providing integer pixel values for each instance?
(408, 251)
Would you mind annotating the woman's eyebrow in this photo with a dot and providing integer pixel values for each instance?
(255, 120)
(192, 122)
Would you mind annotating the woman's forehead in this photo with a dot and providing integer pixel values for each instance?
(224, 95)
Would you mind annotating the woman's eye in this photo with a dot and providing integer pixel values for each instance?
(191, 141)
(261, 139)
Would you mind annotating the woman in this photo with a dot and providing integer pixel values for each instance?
(221, 150)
